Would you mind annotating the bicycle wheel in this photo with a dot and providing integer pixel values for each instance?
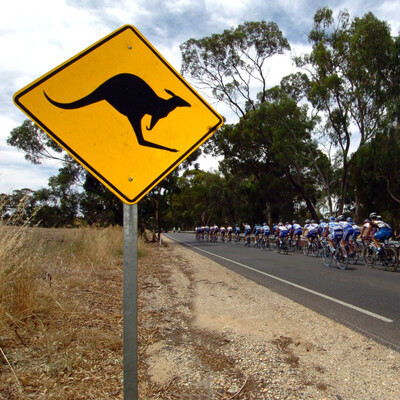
(358, 252)
(353, 257)
(326, 256)
(299, 246)
(389, 259)
(305, 248)
(369, 256)
(341, 257)
(314, 249)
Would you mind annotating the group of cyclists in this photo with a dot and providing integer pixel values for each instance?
(338, 231)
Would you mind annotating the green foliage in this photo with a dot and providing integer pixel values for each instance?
(376, 173)
(35, 143)
(349, 70)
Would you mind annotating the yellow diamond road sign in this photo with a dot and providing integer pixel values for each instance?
(122, 112)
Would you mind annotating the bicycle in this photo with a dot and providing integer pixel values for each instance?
(283, 247)
(296, 246)
(257, 241)
(387, 255)
(237, 238)
(311, 248)
(355, 254)
(339, 255)
(265, 244)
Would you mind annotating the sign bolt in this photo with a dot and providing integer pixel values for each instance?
(130, 179)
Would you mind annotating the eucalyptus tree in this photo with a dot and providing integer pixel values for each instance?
(348, 68)
(375, 169)
(273, 144)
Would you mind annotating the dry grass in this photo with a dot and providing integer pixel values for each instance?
(60, 313)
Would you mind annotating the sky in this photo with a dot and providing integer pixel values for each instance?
(37, 36)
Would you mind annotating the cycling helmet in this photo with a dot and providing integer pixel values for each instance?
(321, 221)
(379, 217)
(372, 215)
(332, 218)
(340, 218)
(313, 221)
(349, 219)
(280, 224)
(307, 221)
(366, 220)
(294, 222)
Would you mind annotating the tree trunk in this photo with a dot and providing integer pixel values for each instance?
(299, 186)
(268, 212)
(357, 210)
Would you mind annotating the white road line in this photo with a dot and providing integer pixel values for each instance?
(361, 310)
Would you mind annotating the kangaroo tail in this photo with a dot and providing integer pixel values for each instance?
(91, 98)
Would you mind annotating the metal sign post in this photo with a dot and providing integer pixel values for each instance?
(130, 302)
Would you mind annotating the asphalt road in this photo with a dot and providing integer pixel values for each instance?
(364, 299)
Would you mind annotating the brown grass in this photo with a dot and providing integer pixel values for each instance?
(60, 313)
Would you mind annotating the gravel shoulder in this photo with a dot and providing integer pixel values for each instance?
(208, 333)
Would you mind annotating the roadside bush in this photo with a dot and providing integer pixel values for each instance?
(20, 257)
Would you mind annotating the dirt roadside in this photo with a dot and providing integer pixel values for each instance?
(208, 333)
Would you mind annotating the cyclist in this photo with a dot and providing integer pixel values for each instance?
(356, 233)
(296, 232)
(199, 232)
(266, 232)
(257, 232)
(312, 229)
(333, 232)
(237, 233)
(282, 233)
(247, 233)
(216, 229)
(213, 233)
(364, 229)
(274, 232)
(222, 232)
(229, 230)
(347, 232)
(207, 232)
(321, 227)
(379, 230)
(289, 228)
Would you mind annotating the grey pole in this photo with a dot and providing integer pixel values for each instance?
(130, 302)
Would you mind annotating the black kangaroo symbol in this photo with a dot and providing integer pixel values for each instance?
(134, 98)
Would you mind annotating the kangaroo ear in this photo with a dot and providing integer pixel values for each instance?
(171, 93)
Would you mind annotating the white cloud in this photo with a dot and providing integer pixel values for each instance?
(13, 178)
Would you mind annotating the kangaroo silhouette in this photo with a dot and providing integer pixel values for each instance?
(132, 97)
